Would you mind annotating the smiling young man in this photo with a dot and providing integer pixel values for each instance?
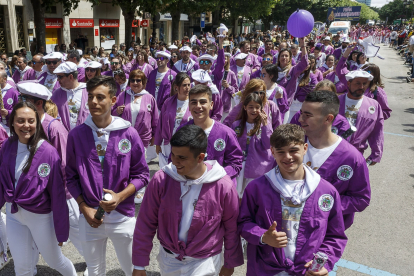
(110, 160)
(332, 157)
(290, 213)
(48, 78)
(185, 64)
(71, 98)
(193, 206)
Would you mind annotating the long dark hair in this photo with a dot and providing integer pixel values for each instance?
(305, 79)
(179, 79)
(243, 115)
(290, 59)
(34, 139)
(374, 70)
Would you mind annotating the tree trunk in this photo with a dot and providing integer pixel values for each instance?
(216, 18)
(129, 17)
(154, 27)
(175, 24)
(40, 25)
(266, 24)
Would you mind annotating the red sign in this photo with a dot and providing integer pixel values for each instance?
(135, 23)
(145, 23)
(109, 23)
(81, 23)
(54, 23)
(96, 32)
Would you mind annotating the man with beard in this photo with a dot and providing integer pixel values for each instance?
(251, 59)
(362, 112)
(186, 64)
(341, 50)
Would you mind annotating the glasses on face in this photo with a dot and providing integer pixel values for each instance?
(114, 63)
(262, 75)
(260, 93)
(173, 56)
(54, 62)
(135, 80)
(160, 58)
(206, 62)
(90, 70)
(4, 59)
(266, 59)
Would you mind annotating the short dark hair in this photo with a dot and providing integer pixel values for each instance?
(74, 54)
(201, 89)
(191, 136)
(272, 70)
(287, 134)
(329, 100)
(24, 60)
(317, 48)
(243, 43)
(196, 47)
(106, 81)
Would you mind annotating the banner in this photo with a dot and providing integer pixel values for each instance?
(344, 13)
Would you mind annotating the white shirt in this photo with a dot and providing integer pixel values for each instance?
(182, 107)
(411, 42)
(74, 104)
(351, 109)
(158, 80)
(50, 81)
(315, 158)
(208, 130)
(21, 159)
(135, 108)
(240, 72)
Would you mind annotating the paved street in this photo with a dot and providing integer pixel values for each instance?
(381, 237)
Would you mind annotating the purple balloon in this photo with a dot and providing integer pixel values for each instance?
(300, 23)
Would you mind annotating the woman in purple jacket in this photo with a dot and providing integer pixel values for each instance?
(141, 63)
(33, 189)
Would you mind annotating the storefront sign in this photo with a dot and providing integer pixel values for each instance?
(145, 23)
(109, 23)
(81, 23)
(53, 23)
(135, 23)
(96, 32)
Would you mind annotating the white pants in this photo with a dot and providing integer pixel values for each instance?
(3, 236)
(286, 118)
(74, 224)
(150, 153)
(24, 228)
(242, 181)
(170, 266)
(94, 242)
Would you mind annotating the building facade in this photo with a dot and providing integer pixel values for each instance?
(366, 2)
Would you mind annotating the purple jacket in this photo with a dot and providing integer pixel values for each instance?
(261, 51)
(318, 230)
(165, 126)
(289, 81)
(370, 127)
(146, 68)
(355, 192)
(147, 118)
(381, 98)
(107, 73)
(227, 93)
(165, 86)
(217, 73)
(3, 136)
(273, 115)
(16, 75)
(246, 75)
(257, 154)
(302, 91)
(328, 50)
(224, 148)
(127, 67)
(30, 75)
(338, 53)
(57, 134)
(340, 86)
(153, 62)
(36, 193)
(191, 67)
(42, 79)
(251, 61)
(60, 98)
(84, 173)
(214, 221)
(318, 74)
(81, 73)
(10, 100)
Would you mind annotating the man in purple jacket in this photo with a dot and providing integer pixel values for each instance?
(332, 157)
(22, 70)
(73, 56)
(193, 206)
(109, 160)
(251, 59)
(290, 213)
(48, 78)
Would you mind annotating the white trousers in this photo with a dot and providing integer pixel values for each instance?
(3, 236)
(25, 228)
(170, 266)
(242, 181)
(74, 224)
(94, 242)
(150, 153)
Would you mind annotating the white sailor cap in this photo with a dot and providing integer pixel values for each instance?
(34, 89)
(105, 61)
(173, 47)
(358, 74)
(345, 40)
(201, 76)
(163, 54)
(66, 68)
(185, 48)
(241, 56)
(207, 57)
(93, 64)
(53, 55)
(327, 38)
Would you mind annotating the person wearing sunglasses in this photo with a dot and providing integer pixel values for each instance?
(241, 70)
(92, 69)
(48, 78)
(38, 64)
(267, 49)
(185, 64)
(141, 63)
(175, 56)
(160, 80)
(22, 70)
(115, 65)
(265, 59)
(71, 98)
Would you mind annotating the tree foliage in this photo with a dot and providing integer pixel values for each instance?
(393, 10)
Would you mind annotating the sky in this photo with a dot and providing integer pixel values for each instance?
(379, 3)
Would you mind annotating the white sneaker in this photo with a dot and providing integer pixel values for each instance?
(86, 273)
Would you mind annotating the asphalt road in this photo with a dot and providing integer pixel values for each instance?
(382, 236)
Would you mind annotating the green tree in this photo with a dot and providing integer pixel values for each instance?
(393, 10)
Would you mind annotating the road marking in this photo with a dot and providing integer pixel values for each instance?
(360, 268)
(410, 136)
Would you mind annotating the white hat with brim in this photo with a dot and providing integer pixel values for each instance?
(53, 55)
(358, 74)
(66, 68)
(201, 76)
(241, 56)
(34, 89)
(93, 64)
(327, 38)
(173, 47)
(163, 54)
(185, 48)
(206, 57)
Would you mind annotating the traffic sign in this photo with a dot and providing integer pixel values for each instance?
(203, 20)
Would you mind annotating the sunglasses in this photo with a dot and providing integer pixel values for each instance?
(4, 59)
(52, 62)
(90, 70)
(173, 56)
(206, 62)
(260, 93)
(61, 77)
(135, 80)
(160, 58)
(266, 59)
(114, 63)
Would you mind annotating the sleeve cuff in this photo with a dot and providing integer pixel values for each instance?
(139, 267)
(261, 240)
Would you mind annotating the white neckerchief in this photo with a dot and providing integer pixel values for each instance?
(133, 95)
(24, 70)
(116, 124)
(326, 66)
(81, 85)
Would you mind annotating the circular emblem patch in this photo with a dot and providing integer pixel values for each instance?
(344, 172)
(326, 202)
(149, 107)
(10, 101)
(124, 146)
(334, 130)
(371, 109)
(43, 170)
(219, 144)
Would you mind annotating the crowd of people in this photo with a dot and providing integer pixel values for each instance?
(260, 142)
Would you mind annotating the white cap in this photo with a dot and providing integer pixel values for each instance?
(206, 56)
(201, 76)
(345, 40)
(163, 54)
(66, 68)
(227, 54)
(173, 47)
(53, 55)
(35, 89)
(105, 61)
(185, 48)
(327, 38)
(93, 64)
(241, 56)
(79, 51)
(358, 74)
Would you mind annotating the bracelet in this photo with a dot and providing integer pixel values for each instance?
(81, 203)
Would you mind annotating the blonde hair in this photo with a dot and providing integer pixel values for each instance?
(51, 108)
(253, 86)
